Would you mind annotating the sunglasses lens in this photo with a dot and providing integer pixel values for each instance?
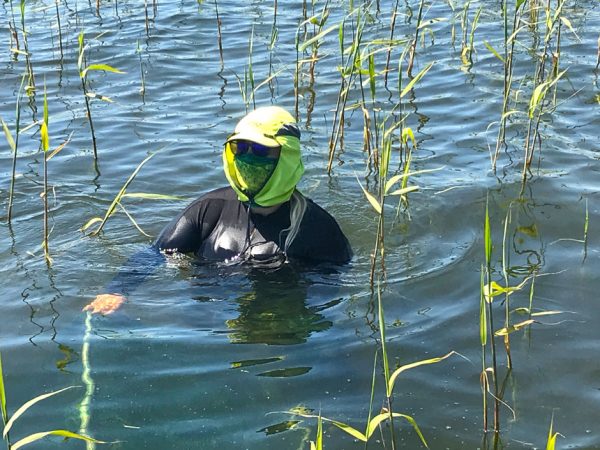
(260, 150)
(239, 147)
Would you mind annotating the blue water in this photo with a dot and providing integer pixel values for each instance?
(204, 356)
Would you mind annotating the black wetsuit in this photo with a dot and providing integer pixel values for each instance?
(218, 227)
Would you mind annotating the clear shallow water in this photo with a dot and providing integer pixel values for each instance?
(209, 357)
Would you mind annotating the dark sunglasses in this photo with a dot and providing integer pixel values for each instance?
(243, 147)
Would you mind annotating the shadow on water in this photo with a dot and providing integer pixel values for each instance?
(274, 310)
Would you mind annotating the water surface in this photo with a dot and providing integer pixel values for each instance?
(205, 356)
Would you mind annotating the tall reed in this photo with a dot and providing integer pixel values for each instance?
(31, 78)
(349, 73)
(219, 35)
(391, 39)
(14, 146)
(9, 420)
(60, 38)
(117, 202)
(487, 323)
(510, 39)
(413, 47)
(542, 82)
(45, 147)
(84, 70)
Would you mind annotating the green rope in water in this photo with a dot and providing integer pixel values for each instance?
(86, 378)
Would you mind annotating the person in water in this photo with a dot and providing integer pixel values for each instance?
(260, 218)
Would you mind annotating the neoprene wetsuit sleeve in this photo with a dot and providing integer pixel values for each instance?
(183, 234)
(137, 268)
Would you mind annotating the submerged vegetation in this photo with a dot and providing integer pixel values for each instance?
(375, 56)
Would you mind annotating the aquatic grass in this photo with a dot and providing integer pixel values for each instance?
(45, 144)
(391, 39)
(142, 90)
(219, 34)
(117, 202)
(505, 262)
(542, 82)
(272, 42)
(13, 143)
(413, 46)
(9, 420)
(14, 36)
(386, 414)
(468, 44)
(247, 87)
(348, 74)
(489, 317)
(317, 444)
(510, 40)
(60, 38)
(30, 88)
(552, 435)
(3, 410)
(84, 69)
(318, 24)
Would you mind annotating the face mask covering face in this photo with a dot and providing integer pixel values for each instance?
(255, 171)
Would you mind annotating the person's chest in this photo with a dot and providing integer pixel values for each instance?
(239, 234)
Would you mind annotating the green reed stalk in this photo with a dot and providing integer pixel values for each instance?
(505, 262)
(249, 73)
(483, 327)
(541, 86)
(317, 30)
(14, 36)
(474, 25)
(413, 48)
(348, 74)
(464, 26)
(219, 34)
(15, 148)
(386, 364)
(318, 444)
(556, 59)
(9, 421)
(391, 38)
(31, 83)
(551, 440)
(81, 64)
(122, 194)
(84, 70)
(488, 264)
(372, 86)
(59, 30)
(3, 405)
(508, 74)
(274, 33)
(44, 134)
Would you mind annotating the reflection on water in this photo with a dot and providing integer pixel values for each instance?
(205, 357)
(275, 310)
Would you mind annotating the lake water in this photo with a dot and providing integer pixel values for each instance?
(204, 356)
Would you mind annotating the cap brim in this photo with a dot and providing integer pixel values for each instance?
(253, 136)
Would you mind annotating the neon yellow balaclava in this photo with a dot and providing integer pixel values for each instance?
(271, 126)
